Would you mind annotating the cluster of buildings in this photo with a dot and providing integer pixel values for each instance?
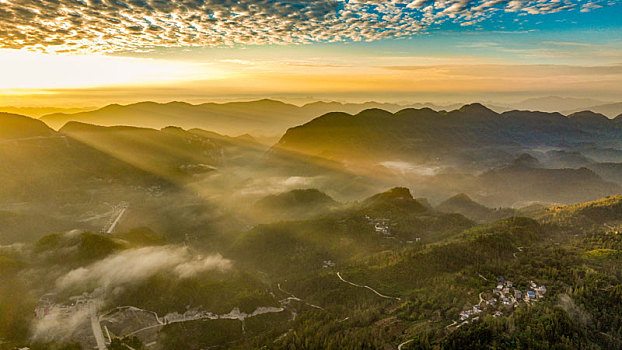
(502, 299)
(45, 305)
(328, 264)
(382, 226)
(48, 303)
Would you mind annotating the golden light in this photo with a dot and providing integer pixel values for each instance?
(23, 70)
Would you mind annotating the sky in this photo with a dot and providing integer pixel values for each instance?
(93, 52)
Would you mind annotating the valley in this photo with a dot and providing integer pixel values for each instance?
(334, 237)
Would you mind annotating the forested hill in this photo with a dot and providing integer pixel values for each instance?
(423, 133)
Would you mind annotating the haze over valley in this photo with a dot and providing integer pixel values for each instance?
(319, 174)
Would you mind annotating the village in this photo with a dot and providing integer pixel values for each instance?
(502, 300)
(384, 228)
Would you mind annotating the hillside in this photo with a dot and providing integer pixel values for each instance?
(79, 178)
(349, 279)
(170, 152)
(522, 182)
(191, 239)
(14, 126)
(463, 204)
(294, 204)
(419, 134)
(598, 214)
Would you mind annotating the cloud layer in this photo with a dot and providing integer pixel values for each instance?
(135, 265)
(131, 25)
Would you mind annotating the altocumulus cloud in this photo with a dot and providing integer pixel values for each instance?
(131, 25)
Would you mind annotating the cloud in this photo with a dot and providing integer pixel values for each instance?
(273, 185)
(127, 25)
(589, 6)
(135, 265)
(61, 323)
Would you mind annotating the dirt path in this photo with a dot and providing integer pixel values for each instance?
(293, 297)
(368, 287)
(399, 347)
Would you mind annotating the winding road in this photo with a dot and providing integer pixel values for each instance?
(293, 297)
(235, 314)
(452, 324)
(399, 347)
(368, 287)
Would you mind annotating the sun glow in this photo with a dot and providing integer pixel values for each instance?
(24, 70)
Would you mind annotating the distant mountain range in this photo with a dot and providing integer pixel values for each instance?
(261, 117)
(555, 104)
(564, 105)
(270, 117)
(611, 110)
(36, 112)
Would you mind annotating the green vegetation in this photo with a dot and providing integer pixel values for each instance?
(292, 205)
(206, 255)
(75, 248)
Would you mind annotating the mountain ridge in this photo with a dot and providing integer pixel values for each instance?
(373, 132)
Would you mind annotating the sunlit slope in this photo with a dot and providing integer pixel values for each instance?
(388, 220)
(75, 180)
(603, 213)
(169, 152)
(37, 160)
(15, 126)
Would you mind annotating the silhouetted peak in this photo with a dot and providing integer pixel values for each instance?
(588, 117)
(399, 192)
(476, 108)
(459, 201)
(527, 160)
(296, 197)
(323, 103)
(416, 111)
(374, 112)
(246, 138)
(394, 193)
(173, 129)
(462, 197)
(394, 200)
(267, 101)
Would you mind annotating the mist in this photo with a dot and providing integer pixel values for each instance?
(136, 265)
